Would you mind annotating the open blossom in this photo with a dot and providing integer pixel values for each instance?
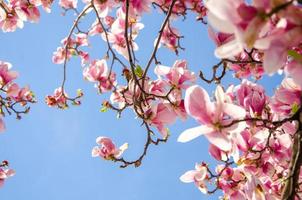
(68, 4)
(137, 7)
(11, 22)
(232, 17)
(25, 10)
(213, 116)
(160, 116)
(71, 45)
(177, 75)
(170, 38)
(20, 94)
(287, 98)
(107, 149)
(95, 28)
(198, 176)
(116, 35)
(57, 99)
(6, 76)
(14, 13)
(247, 69)
(249, 29)
(252, 97)
(5, 173)
(98, 72)
(103, 7)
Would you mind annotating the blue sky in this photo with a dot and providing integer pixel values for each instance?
(50, 149)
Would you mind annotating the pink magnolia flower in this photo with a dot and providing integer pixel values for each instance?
(95, 28)
(68, 4)
(170, 38)
(46, 4)
(126, 95)
(81, 39)
(247, 69)
(4, 174)
(71, 46)
(117, 37)
(58, 99)
(20, 94)
(287, 98)
(252, 97)
(103, 7)
(107, 149)
(137, 7)
(294, 70)
(25, 10)
(98, 72)
(160, 116)
(276, 53)
(60, 55)
(226, 16)
(214, 115)
(254, 189)
(11, 22)
(6, 76)
(176, 75)
(198, 176)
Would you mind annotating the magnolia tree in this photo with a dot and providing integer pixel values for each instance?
(256, 139)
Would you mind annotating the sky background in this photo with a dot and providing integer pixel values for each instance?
(50, 149)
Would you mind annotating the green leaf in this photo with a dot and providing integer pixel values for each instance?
(104, 109)
(295, 108)
(296, 56)
(138, 71)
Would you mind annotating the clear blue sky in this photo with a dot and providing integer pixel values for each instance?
(50, 149)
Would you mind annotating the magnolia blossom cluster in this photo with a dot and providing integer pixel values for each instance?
(165, 102)
(250, 133)
(98, 72)
(13, 13)
(70, 48)
(12, 94)
(60, 98)
(272, 28)
(160, 109)
(5, 172)
(112, 29)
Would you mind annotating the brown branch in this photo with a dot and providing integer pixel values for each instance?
(292, 182)
(149, 141)
(153, 54)
(67, 44)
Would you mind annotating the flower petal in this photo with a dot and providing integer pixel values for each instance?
(188, 177)
(219, 140)
(229, 49)
(193, 133)
(234, 111)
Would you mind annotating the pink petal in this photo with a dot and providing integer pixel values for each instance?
(219, 24)
(198, 104)
(294, 69)
(161, 70)
(193, 133)
(188, 177)
(234, 111)
(219, 140)
(274, 58)
(229, 49)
